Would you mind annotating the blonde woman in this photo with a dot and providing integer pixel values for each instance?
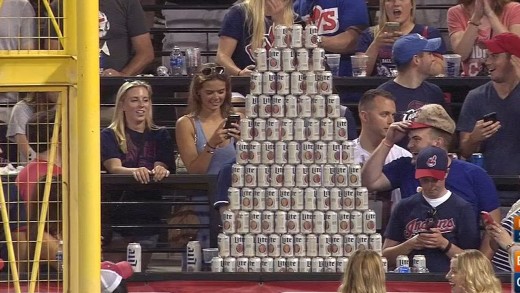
(249, 25)
(377, 41)
(471, 272)
(364, 273)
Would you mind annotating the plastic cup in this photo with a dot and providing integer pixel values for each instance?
(208, 254)
(451, 65)
(359, 65)
(333, 63)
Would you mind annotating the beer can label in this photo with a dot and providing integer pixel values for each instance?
(297, 83)
(307, 152)
(275, 60)
(318, 107)
(250, 172)
(343, 222)
(326, 129)
(293, 222)
(299, 245)
(223, 245)
(375, 242)
(289, 175)
(287, 130)
(255, 222)
(340, 129)
(323, 199)
(369, 222)
(331, 222)
(264, 106)
(261, 245)
(228, 222)
(272, 131)
(271, 199)
(237, 245)
(249, 245)
(284, 195)
(362, 199)
(333, 152)
(297, 199)
(280, 222)
(302, 60)
(261, 59)
(311, 81)
(305, 265)
(318, 59)
(320, 152)
(306, 222)
(269, 83)
(318, 223)
(247, 199)
(274, 245)
(311, 245)
(256, 84)
(242, 222)
(312, 130)
(217, 264)
(287, 245)
(267, 265)
(280, 264)
(315, 175)
(292, 264)
(341, 264)
(362, 242)
(242, 265)
(237, 177)
(335, 199)
(251, 109)
(293, 153)
(267, 222)
(333, 106)
(310, 197)
(193, 256)
(280, 153)
(234, 198)
(336, 245)
(325, 85)
(267, 153)
(324, 245)
(242, 156)
(356, 222)
(281, 36)
(230, 265)
(255, 152)
(341, 175)
(349, 198)
(255, 265)
(264, 175)
(291, 106)
(349, 244)
(354, 177)
(277, 173)
(330, 265)
(259, 199)
(283, 87)
(317, 265)
(328, 175)
(302, 176)
(304, 106)
(311, 36)
(347, 152)
(296, 36)
(288, 60)
(278, 103)
(246, 129)
(259, 131)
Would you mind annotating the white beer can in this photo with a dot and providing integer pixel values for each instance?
(246, 201)
(278, 101)
(297, 199)
(293, 153)
(341, 175)
(264, 175)
(297, 83)
(261, 245)
(349, 198)
(325, 85)
(310, 198)
(347, 152)
(259, 199)
(272, 130)
(230, 265)
(349, 244)
(264, 106)
(304, 106)
(302, 60)
(274, 245)
(255, 265)
(281, 36)
(320, 152)
(341, 264)
(318, 59)
(311, 36)
(326, 129)
(283, 88)
(318, 107)
(311, 81)
(288, 60)
(330, 265)
(328, 175)
(336, 246)
(234, 198)
(249, 245)
(256, 83)
(276, 175)
(287, 130)
(269, 83)
(340, 129)
(292, 264)
(331, 222)
(242, 265)
(375, 242)
(251, 109)
(237, 176)
(362, 242)
(317, 265)
(323, 199)
(259, 130)
(255, 152)
(362, 199)
(271, 199)
(133, 256)
(302, 176)
(318, 222)
(255, 222)
(354, 177)
(356, 222)
(228, 222)
(267, 153)
(307, 152)
(284, 196)
(324, 242)
(289, 173)
(333, 106)
(343, 222)
(267, 265)
(305, 265)
(335, 199)
(299, 129)
(299, 245)
(243, 222)
(333, 152)
(306, 222)
(385, 263)
(223, 243)
(293, 222)
(280, 264)
(250, 172)
(242, 156)
(247, 129)
(369, 222)
(280, 222)
(267, 222)
(313, 129)
(311, 244)
(217, 264)
(291, 106)
(287, 245)
(237, 245)
(315, 177)
(275, 60)
(280, 152)
(296, 36)
(261, 59)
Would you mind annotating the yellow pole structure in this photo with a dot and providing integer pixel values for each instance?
(85, 138)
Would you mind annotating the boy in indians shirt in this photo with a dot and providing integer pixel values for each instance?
(434, 222)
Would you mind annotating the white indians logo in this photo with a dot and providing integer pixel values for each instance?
(432, 161)
(104, 24)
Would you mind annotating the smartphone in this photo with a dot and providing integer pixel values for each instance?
(233, 118)
(486, 217)
(391, 27)
(490, 117)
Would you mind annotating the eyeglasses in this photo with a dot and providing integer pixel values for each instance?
(208, 71)
(431, 220)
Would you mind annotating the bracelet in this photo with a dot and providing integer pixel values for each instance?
(384, 142)
(209, 146)
(447, 248)
(509, 246)
(473, 23)
(209, 149)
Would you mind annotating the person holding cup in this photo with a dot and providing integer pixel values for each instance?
(397, 19)
(473, 21)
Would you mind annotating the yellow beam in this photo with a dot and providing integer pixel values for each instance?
(37, 70)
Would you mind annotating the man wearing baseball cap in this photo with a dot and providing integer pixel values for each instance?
(498, 137)
(414, 56)
(430, 125)
(434, 222)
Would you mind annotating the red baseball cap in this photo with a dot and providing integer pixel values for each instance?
(504, 43)
(123, 268)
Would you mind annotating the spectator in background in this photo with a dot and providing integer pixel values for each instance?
(471, 272)
(413, 56)
(124, 42)
(132, 144)
(22, 112)
(474, 21)
(377, 41)
(430, 126)
(498, 140)
(17, 32)
(247, 26)
(364, 273)
(434, 222)
(339, 25)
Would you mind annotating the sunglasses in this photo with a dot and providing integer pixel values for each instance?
(215, 70)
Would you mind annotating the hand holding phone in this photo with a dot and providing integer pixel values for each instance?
(391, 27)
(233, 118)
(490, 117)
(486, 217)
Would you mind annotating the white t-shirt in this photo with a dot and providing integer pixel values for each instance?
(361, 156)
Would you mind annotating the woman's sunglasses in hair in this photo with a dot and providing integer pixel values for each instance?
(212, 70)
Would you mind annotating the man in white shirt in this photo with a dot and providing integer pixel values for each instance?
(376, 113)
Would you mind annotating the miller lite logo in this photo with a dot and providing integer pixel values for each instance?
(432, 161)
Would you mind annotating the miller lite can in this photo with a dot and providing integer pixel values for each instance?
(251, 109)
(306, 222)
(267, 222)
(255, 222)
(230, 265)
(304, 106)
(325, 85)
(237, 245)
(237, 176)
(247, 199)
(288, 60)
(280, 222)
(369, 222)
(320, 152)
(280, 264)
(296, 36)
(259, 199)
(283, 86)
(264, 106)
(292, 264)
(341, 264)
(264, 176)
(288, 176)
(333, 152)
(349, 198)
(276, 173)
(362, 199)
(287, 245)
(261, 59)
(354, 177)
(293, 222)
(299, 245)
(274, 245)
(317, 265)
(302, 60)
(307, 153)
(331, 222)
(375, 242)
(318, 107)
(268, 83)
(275, 60)
(243, 222)
(305, 265)
(311, 244)
(297, 83)
(228, 222)
(310, 198)
(335, 199)
(328, 175)
(324, 245)
(259, 131)
(343, 222)
(297, 199)
(234, 198)
(281, 36)
(311, 80)
(255, 152)
(402, 261)
(318, 59)
(261, 245)
(255, 265)
(133, 256)
(242, 156)
(341, 175)
(291, 106)
(272, 131)
(362, 242)
(247, 130)
(356, 222)
(224, 244)
(340, 129)
(315, 175)
(311, 36)
(323, 199)
(287, 130)
(217, 264)
(242, 264)
(349, 244)
(249, 245)
(330, 265)
(271, 199)
(250, 172)
(419, 263)
(256, 84)
(280, 153)
(278, 101)
(302, 176)
(347, 152)
(193, 256)
(318, 222)
(293, 153)
(336, 245)
(333, 106)
(267, 265)
(267, 153)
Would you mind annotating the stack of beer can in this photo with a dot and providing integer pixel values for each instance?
(296, 201)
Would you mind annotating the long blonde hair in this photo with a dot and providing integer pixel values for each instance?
(118, 119)
(255, 19)
(364, 273)
(383, 17)
(477, 272)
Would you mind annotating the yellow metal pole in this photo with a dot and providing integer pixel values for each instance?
(88, 149)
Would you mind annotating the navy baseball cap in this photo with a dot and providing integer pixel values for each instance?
(431, 162)
(410, 45)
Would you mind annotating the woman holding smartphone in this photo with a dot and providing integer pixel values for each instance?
(396, 19)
